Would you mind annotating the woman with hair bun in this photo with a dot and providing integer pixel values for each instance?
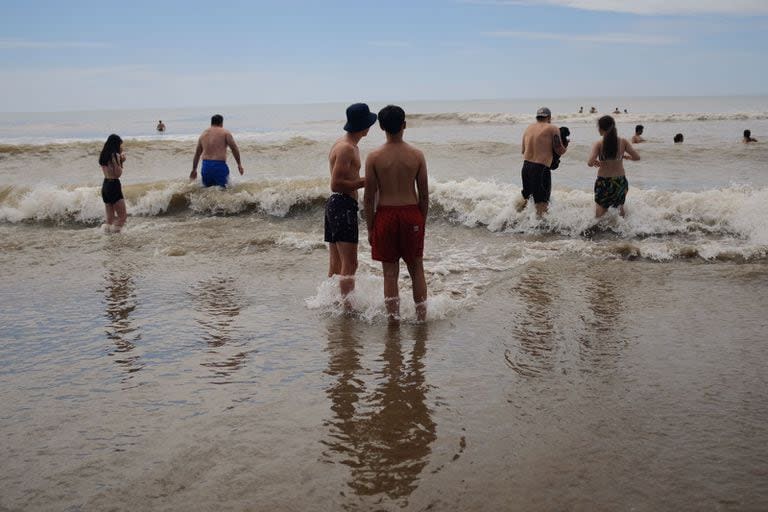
(607, 155)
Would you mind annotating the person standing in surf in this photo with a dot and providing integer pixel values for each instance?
(341, 226)
(541, 141)
(212, 146)
(396, 179)
(111, 161)
(611, 185)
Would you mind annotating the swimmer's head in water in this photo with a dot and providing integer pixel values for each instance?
(639, 129)
(678, 138)
(747, 134)
(217, 120)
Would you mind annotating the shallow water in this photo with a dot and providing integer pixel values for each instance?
(200, 361)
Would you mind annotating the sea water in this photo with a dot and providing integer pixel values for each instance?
(200, 359)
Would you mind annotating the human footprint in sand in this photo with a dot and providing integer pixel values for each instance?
(111, 161)
(396, 173)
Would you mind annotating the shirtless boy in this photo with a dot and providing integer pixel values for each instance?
(637, 138)
(539, 141)
(341, 228)
(397, 173)
(212, 145)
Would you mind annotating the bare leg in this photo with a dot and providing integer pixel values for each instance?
(541, 209)
(348, 257)
(334, 263)
(599, 210)
(391, 292)
(121, 214)
(416, 270)
(110, 215)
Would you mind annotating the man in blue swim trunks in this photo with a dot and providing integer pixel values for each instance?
(212, 146)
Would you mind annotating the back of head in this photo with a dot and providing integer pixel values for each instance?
(543, 114)
(111, 147)
(639, 129)
(610, 137)
(392, 119)
(747, 134)
(217, 120)
(678, 138)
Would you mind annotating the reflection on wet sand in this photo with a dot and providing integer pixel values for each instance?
(534, 329)
(384, 436)
(120, 302)
(599, 346)
(218, 303)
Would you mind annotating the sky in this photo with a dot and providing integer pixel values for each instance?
(82, 55)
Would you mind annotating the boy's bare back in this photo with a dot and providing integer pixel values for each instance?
(397, 168)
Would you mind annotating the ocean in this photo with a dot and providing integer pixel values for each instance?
(200, 360)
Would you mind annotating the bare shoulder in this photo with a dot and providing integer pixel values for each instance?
(416, 151)
(342, 147)
(372, 156)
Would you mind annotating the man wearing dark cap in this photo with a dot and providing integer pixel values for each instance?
(341, 209)
(540, 141)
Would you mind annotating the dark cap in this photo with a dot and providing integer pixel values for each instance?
(543, 112)
(359, 118)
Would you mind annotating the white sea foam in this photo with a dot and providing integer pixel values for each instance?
(367, 301)
(734, 218)
(576, 118)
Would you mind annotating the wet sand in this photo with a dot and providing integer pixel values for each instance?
(200, 380)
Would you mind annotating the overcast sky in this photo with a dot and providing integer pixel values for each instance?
(75, 54)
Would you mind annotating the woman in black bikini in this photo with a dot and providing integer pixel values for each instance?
(111, 161)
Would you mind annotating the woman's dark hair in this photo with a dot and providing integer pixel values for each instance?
(111, 148)
(610, 137)
(747, 134)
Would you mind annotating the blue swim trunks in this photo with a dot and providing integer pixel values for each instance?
(215, 173)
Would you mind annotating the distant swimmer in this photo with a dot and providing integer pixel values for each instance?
(212, 145)
(581, 110)
(678, 138)
(111, 161)
(611, 185)
(625, 111)
(160, 126)
(592, 110)
(396, 176)
(341, 226)
(616, 110)
(637, 138)
(748, 137)
(540, 140)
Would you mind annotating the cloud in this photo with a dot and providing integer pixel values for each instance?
(16, 44)
(647, 7)
(611, 38)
